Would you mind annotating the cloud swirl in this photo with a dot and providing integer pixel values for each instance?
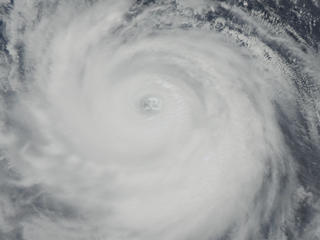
(152, 122)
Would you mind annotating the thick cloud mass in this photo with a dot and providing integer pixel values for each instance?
(172, 120)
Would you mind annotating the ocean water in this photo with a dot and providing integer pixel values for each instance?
(159, 120)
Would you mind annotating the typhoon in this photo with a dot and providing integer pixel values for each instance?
(159, 120)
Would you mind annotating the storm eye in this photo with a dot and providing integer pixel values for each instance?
(150, 105)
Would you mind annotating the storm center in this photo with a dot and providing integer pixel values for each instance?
(150, 104)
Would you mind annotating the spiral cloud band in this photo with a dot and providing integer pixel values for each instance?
(152, 120)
